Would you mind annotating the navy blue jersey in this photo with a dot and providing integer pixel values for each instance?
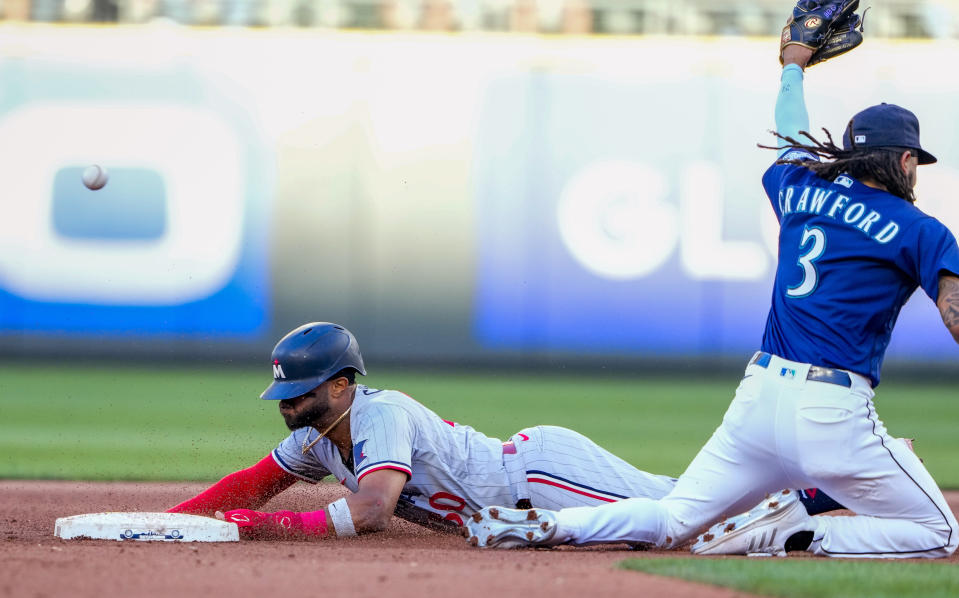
(849, 258)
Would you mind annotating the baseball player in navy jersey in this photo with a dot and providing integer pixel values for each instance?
(852, 249)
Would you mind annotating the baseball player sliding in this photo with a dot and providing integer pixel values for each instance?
(398, 457)
(852, 249)
(395, 455)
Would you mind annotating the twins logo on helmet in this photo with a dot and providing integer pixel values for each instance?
(307, 356)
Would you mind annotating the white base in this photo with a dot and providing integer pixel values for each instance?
(164, 527)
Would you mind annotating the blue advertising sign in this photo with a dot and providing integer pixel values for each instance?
(174, 244)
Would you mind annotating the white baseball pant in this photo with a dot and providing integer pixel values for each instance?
(783, 430)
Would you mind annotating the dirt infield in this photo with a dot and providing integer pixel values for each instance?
(404, 561)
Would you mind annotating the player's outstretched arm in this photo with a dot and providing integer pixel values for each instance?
(248, 488)
(369, 510)
(948, 303)
(817, 30)
(791, 114)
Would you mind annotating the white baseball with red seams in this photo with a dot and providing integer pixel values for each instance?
(95, 177)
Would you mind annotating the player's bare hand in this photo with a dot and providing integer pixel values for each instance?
(796, 54)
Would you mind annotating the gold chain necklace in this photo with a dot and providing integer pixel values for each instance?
(323, 434)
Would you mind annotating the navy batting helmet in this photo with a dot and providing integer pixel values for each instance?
(309, 356)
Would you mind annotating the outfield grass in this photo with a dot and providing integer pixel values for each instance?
(83, 422)
(812, 578)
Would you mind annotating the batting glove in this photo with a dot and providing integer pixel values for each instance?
(281, 524)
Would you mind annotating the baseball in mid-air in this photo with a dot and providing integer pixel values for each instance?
(95, 177)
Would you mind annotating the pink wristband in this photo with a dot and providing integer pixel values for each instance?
(314, 522)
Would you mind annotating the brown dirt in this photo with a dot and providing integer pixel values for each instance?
(404, 561)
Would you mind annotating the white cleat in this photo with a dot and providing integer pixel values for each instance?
(761, 531)
(499, 527)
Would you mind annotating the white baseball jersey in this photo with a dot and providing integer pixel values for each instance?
(454, 470)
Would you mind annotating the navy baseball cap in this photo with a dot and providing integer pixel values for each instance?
(885, 125)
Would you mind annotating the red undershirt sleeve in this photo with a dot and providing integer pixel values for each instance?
(245, 489)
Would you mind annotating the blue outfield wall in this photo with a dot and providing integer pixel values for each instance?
(445, 197)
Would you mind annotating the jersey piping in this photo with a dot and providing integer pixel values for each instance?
(542, 477)
(396, 465)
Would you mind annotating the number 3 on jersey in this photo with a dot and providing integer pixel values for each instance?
(816, 239)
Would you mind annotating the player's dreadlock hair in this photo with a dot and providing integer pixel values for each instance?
(878, 164)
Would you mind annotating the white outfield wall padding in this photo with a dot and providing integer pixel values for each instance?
(162, 527)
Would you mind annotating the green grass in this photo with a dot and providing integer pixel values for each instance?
(176, 423)
(812, 578)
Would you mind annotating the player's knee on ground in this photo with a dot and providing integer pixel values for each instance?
(951, 546)
(946, 530)
(950, 532)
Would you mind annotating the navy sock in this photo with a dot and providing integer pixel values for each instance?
(817, 501)
(798, 541)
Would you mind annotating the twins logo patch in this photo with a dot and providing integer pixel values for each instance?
(812, 22)
(358, 454)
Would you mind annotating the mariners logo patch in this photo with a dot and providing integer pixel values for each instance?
(812, 22)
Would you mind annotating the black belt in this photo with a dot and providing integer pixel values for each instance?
(816, 373)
